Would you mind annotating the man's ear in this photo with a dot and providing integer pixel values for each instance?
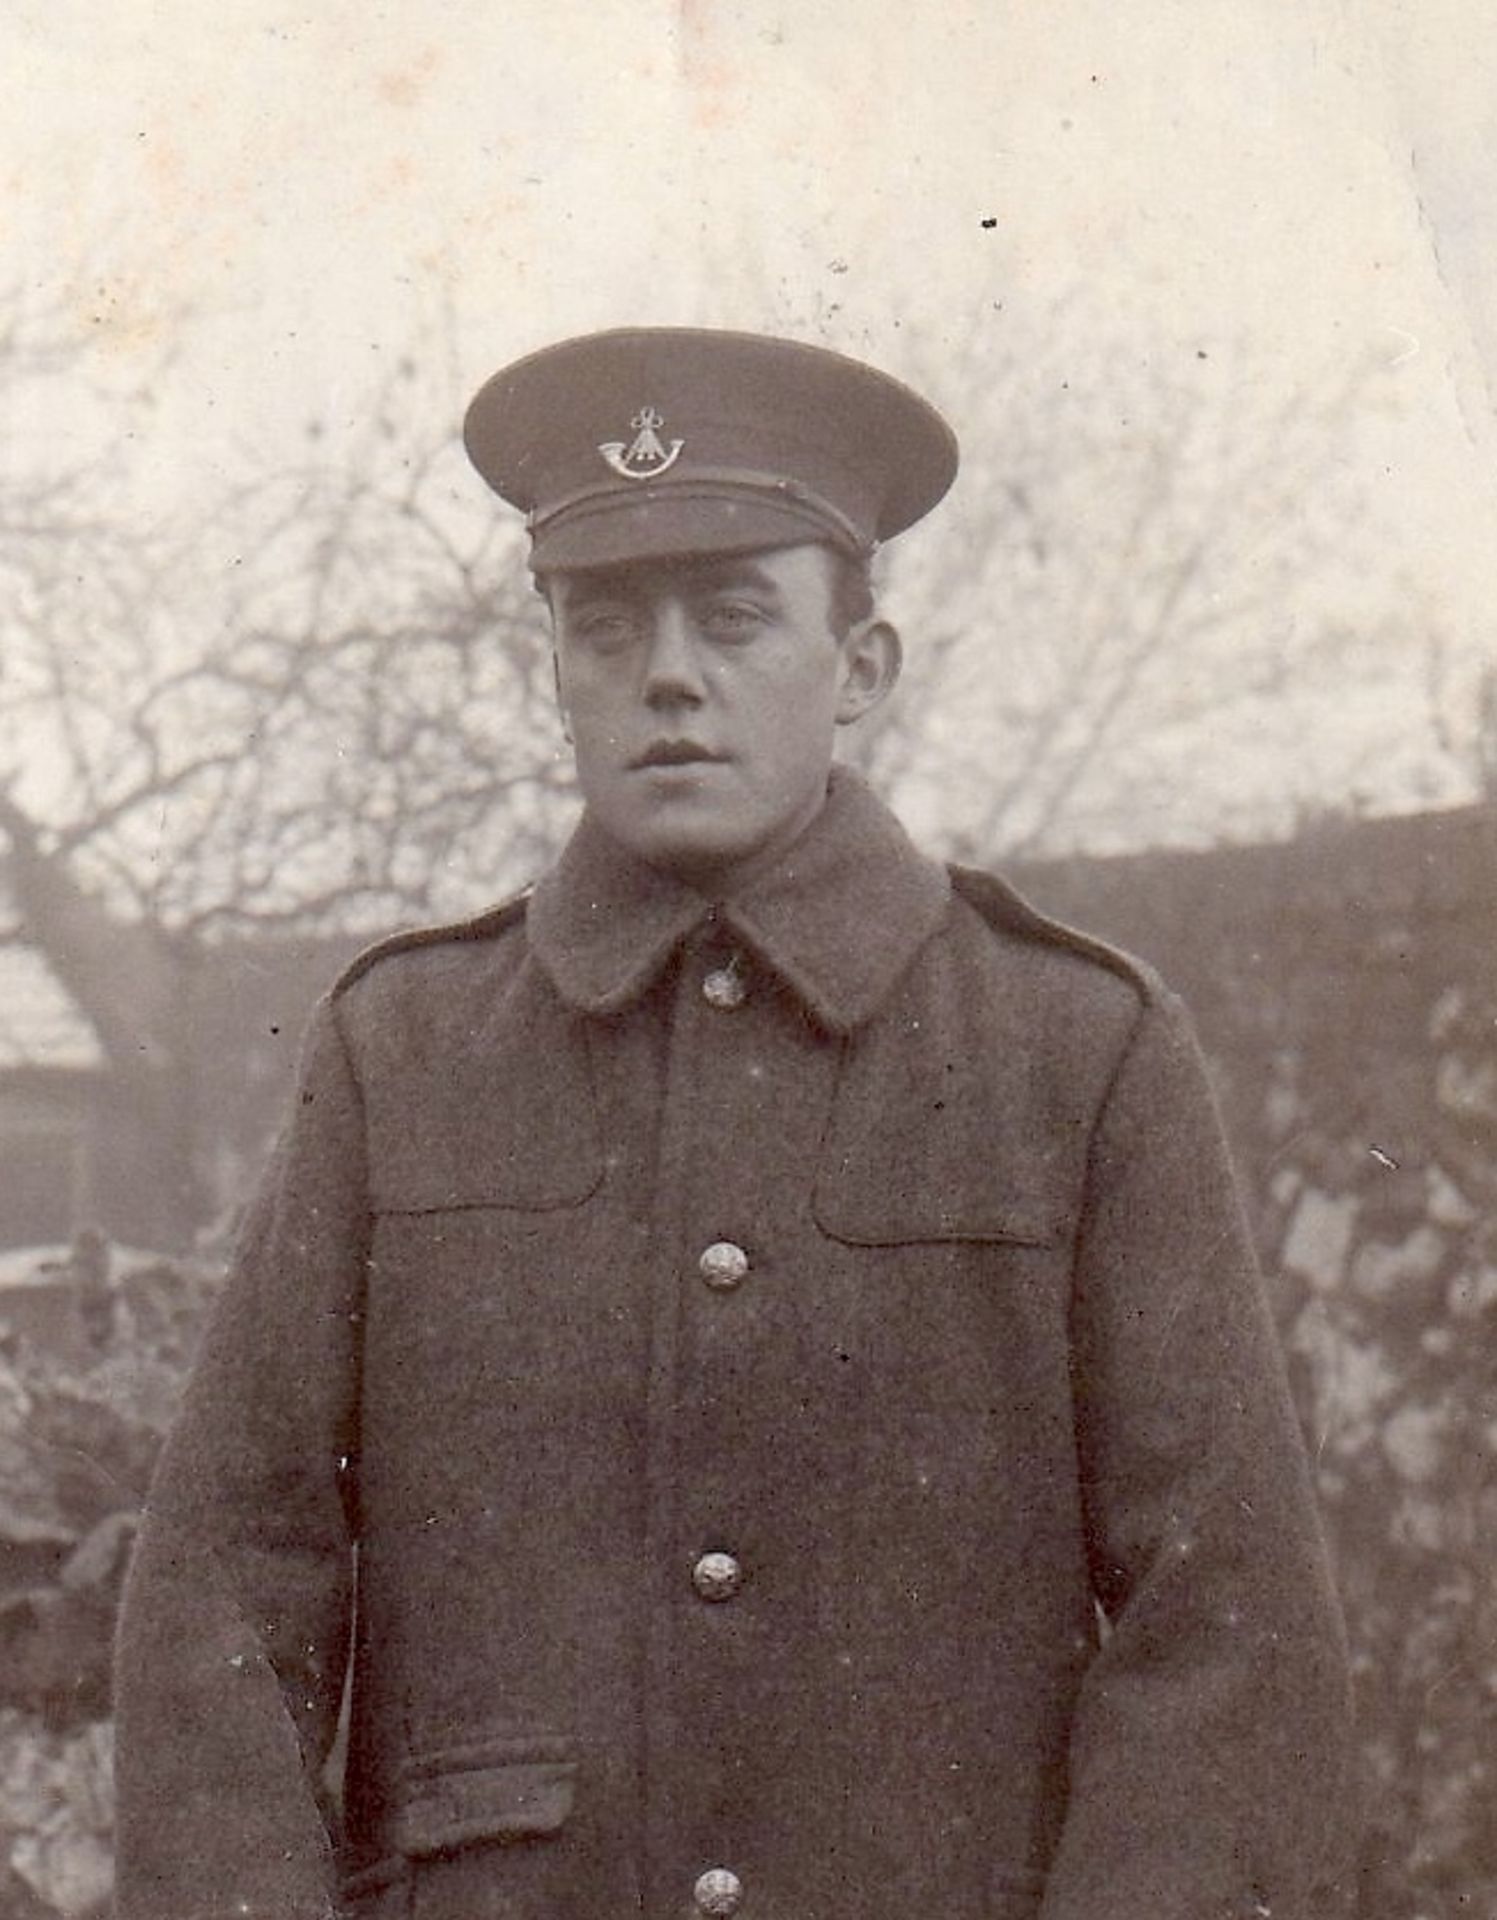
(871, 656)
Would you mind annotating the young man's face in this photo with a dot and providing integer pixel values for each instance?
(702, 696)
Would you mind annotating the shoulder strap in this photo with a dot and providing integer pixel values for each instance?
(1004, 907)
(481, 926)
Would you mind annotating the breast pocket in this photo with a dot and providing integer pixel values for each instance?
(949, 1124)
(928, 1148)
(502, 1346)
(949, 1203)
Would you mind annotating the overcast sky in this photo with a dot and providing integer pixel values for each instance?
(293, 194)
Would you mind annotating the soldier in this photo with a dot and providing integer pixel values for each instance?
(747, 1362)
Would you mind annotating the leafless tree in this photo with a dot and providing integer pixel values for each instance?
(1154, 565)
(336, 705)
(326, 701)
(330, 701)
(321, 703)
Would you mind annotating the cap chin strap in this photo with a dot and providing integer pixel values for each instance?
(721, 483)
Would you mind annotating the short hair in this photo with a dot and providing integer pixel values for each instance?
(849, 590)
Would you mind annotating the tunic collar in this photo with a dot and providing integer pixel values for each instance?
(838, 918)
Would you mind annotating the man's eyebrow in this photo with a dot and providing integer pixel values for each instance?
(580, 589)
(733, 573)
(711, 575)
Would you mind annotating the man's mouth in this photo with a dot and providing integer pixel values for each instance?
(675, 753)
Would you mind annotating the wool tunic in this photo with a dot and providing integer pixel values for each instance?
(769, 1406)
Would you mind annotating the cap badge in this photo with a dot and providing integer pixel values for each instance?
(646, 454)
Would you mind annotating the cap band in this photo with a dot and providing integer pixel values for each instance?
(705, 483)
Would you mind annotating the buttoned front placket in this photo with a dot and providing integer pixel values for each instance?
(748, 1082)
(732, 1026)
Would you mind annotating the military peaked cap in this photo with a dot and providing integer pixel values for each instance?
(656, 441)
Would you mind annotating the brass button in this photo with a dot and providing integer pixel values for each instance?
(718, 1893)
(717, 1576)
(723, 1265)
(725, 988)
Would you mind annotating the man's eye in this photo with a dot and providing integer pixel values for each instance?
(606, 629)
(731, 618)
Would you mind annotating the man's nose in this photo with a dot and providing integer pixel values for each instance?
(672, 669)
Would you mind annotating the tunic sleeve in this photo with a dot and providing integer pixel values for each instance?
(1210, 1756)
(235, 1623)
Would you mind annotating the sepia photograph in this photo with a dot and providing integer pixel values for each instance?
(748, 960)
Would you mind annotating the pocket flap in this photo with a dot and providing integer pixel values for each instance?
(950, 1124)
(515, 1800)
(490, 1106)
(956, 1140)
